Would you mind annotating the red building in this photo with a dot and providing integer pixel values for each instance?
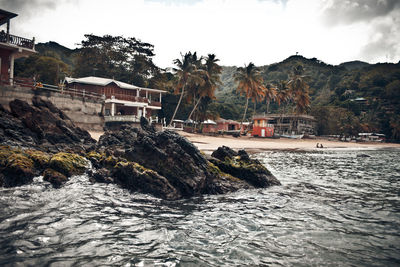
(11, 48)
(262, 127)
(209, 126)
(227, 125)
(123, 102)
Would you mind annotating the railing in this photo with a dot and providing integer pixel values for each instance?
(24, 82)
(122, 118)
(17, 40)
(38, 86)
(137, 99)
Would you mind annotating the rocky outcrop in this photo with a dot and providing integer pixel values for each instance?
(16, 168)
(178, 169)
(240, 165)
(164, 164)
(41, 126)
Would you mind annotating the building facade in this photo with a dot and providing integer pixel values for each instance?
(11, 48)
(123, 102)
(262, 127)
(289, 124)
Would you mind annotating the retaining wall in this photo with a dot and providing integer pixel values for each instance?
(84, 112)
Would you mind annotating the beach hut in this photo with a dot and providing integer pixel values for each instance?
(227, 125)
(209, 126)
(261, 127)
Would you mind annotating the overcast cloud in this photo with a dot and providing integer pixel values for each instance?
(237, 31)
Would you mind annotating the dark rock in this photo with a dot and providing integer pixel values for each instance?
(363, 156)
(176, 164)
(15, 167)
(241, 166)
(102, 175)
(222, 152)
(137, 178)
(146, 126)
(54, 177)
(41, 126)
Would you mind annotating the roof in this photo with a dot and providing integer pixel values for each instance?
(104, 81)
(209, 122)
(5, 16)
(221, 120)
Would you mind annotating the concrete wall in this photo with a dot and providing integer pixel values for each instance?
(83, 112)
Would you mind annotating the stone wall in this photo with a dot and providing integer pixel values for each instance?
(84, 112)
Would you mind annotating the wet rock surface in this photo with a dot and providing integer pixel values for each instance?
(42, 126)
(240, 165)
(164, 164)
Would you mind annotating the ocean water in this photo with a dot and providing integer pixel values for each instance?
(334, 208)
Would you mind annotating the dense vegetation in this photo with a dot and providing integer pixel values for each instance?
(346, 99)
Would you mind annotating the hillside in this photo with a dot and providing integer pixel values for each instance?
(336, 91)
(57, 50)
(346, 99)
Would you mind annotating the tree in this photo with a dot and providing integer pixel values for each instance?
(270, 94)
(46, 69)
(282, 96)
(249, 84)
(211, 77)
(125, 59)
(299, 89)
(188, 74)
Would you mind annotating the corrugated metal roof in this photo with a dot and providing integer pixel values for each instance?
(104, 81)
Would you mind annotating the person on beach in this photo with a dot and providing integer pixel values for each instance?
(317, 145)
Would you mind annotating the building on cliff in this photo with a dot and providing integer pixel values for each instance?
(11, 48)
(123, 102)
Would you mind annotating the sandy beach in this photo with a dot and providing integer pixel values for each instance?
(252, 144)
(210, 143)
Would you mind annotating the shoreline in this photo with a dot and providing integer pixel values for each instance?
(255, 145)
(208, 144)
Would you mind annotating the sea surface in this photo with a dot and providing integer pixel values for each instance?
(334, 208)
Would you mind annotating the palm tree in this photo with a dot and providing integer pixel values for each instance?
(282, 96)
(211, 77)
(187, 73)
(270, 94)
(299, 89)
(250, 84)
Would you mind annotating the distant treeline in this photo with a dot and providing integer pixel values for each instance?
(346, 99)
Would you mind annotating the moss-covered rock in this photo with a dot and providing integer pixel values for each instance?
(96, 158)
(54, 177)
(16, 168)
(240, 165)
(40, 159)
(135, 177)
(68, 163)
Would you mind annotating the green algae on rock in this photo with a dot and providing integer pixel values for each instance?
(240, 165)
(15, 167)
(68, 163)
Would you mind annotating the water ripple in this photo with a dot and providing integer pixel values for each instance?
(333, 208)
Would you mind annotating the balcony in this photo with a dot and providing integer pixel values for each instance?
(122, 118)
(17, 41)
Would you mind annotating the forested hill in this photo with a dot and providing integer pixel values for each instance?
(346, 99)
(336, 92)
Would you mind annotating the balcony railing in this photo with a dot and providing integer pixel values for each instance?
(137, 99)
(122, 118)
(16, 40)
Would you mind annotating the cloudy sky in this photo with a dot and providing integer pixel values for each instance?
(237, 31)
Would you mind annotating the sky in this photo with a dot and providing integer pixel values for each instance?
(237, 31)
